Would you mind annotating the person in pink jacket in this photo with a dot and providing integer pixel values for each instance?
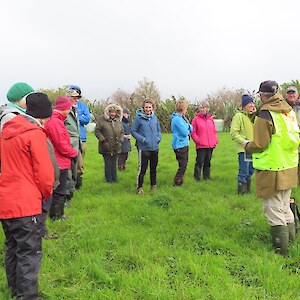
(205, 136)
(60, 138)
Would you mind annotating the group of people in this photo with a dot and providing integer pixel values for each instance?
(42, 153)
(41, 165)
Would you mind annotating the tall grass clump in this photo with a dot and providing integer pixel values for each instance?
(198, 241)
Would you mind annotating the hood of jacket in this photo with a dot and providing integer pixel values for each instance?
(277, 104)
(115, 107)
(140, 113)
(17, 126)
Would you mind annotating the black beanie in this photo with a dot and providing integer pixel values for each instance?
(38, 105)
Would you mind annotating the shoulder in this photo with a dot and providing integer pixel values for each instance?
(265, 114)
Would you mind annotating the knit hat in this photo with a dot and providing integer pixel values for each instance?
(18, 91)
(62, 103)
(126, 111)
(38, 105)
(246, 99)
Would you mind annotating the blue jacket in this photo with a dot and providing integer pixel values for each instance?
(83, 118)
(146, 130)
(181, 129)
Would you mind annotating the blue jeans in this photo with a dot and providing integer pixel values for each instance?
(245, 168)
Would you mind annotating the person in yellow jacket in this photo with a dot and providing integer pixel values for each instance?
(241, 131)
(275, 158)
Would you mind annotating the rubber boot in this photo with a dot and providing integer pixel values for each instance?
(280, 239)
(197, 173)
(292, 232)
(242, 188)
(248, 185)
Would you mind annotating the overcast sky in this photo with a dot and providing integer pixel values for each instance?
(187, 47)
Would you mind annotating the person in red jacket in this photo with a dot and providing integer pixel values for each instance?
(26, 179)
(60, 138)
(205, 136)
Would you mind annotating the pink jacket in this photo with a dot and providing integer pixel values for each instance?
(204, 132)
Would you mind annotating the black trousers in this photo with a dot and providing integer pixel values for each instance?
(203, 162)
(59, 196)
(122, 158)
(110, 167)
(182, 156)
(23, 255)
(146, 156)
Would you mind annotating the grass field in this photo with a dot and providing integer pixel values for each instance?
(199, 241)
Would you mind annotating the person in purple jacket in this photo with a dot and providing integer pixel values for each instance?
(205, 136)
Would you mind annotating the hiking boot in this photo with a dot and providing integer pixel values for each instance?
(140, 191)
(280, 239)
(153, 188)
(242, 188)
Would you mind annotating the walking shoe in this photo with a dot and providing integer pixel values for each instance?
(140, 191)
(153, 188)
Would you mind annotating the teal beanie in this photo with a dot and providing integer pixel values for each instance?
(18, 91)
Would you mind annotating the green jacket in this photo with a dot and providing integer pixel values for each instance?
(72, 125)
(268, 183)
(241, 129)
(110, 132)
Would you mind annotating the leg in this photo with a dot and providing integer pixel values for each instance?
(113, 159)
(143, 159)
(153, 165)
(107, 167)
(79, 171)
(206, 164)
(243, 174)
(59, 195)
(121, 161)
(45, 210)
(10, 256)
(182, 158)
(29, 256)
(199, 164)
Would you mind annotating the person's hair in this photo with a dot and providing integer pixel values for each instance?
(148, 101)
(204, 104)
(268, 95)
(180, 105)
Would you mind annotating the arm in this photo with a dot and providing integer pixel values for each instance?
(98, 129)
(41, 163)
(135, 131)
(85, 116)
(158, 130)
(235, 129)
(194, 133)
(263, 130)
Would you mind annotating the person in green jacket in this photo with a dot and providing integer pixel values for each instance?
(241, 131)
(275, 159)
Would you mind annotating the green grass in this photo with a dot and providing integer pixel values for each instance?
(199, 241)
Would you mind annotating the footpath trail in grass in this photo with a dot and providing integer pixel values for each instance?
(199, 241)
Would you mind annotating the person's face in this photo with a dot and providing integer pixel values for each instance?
(250, 107)
(74, 101)
(112, 114)
(126, 115)
(203, 110)
(291, 97)
(148, 109)
(184, 110)
(66, 112)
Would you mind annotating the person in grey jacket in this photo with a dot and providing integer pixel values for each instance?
(110, 133)
(146, 130)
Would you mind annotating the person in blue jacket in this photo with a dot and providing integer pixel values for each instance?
(146, 130)
(181, 129)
